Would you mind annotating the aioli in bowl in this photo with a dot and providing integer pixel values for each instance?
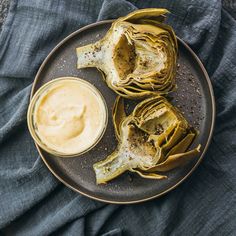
(67, 116)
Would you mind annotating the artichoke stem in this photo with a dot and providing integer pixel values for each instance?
(110, 168)
(89, 55)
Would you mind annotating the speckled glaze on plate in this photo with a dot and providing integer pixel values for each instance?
(194, 97)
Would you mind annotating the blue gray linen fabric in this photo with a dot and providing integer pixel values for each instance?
(33, 202)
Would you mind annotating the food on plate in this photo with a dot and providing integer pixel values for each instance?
(67, 116)
(154, 138)
(137, 56)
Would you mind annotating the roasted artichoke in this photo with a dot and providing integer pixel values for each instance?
(153, 138)
(137, 56)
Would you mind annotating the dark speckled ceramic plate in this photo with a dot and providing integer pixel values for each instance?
(194, 98)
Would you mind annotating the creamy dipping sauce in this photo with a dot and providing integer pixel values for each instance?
(70, 116)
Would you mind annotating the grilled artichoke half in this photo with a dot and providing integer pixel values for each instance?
(137, 56)
(153, 138)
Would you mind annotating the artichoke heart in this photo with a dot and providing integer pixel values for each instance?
(154, 138)
(137, 56)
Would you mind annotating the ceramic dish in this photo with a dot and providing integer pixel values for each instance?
(194, 97)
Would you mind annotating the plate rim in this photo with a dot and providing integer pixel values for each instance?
(182, 179)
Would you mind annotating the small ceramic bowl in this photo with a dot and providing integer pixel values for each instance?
(33, 109)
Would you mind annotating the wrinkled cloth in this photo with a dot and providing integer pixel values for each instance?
(33, 202)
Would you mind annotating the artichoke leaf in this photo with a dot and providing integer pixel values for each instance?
(137, 56)
(148, 175)
(183, 145)
(118, 114)
(157, 14)
(176, 160)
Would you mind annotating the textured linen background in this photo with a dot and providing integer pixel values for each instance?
(33, 202)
